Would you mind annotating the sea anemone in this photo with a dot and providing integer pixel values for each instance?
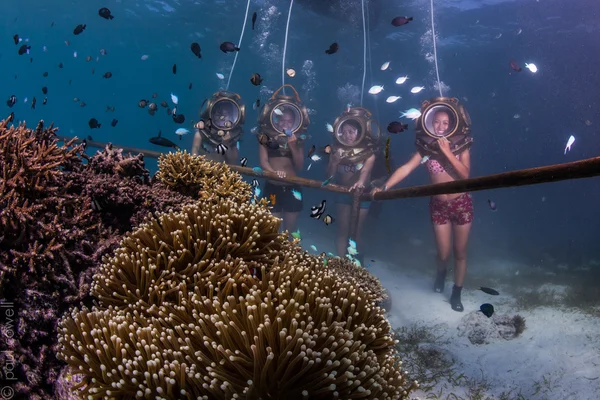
(198, 177)
(183, 313)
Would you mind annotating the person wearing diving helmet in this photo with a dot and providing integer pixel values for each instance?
(443, 142)
(220, 127)
(282, 123)
(351, 163)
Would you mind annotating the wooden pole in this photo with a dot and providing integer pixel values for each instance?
(354, 214)
(574, 170)
(242, 170)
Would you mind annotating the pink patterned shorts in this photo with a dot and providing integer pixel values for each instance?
(459, 211)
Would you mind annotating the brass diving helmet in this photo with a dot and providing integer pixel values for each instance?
(458, 132)
(281, 117)
(356, 135)
(223, 118)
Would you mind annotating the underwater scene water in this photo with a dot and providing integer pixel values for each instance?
(517, 312)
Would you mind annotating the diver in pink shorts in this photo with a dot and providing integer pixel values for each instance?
(445, 152)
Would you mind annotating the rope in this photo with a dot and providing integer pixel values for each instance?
(239, 45)
(287, 27)
(437, 71)
(364, 54)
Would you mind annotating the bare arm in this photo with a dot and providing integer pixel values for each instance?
(403, 171)
(365, 172)
(462, 166)
(334, 162)
(263, 158)
(197, 143)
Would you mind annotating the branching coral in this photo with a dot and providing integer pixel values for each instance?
(200, 178)
(52, 237)
(180, 316)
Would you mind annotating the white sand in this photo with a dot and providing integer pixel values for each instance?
(558, 354)
(556, 357)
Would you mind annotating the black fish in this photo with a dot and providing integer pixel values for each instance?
(228, 47)
(190, 86)
(515, 66)
(45, 90)
(333, 48)
(311, 151)
(16, 38)
(161, 141)
(487, 309)
(396, 127)
(399, 21)
(222, 149)
(107, 75)
(93, 123)
(105, 13)
(256, 104)
(179, 119)
(78, 29)
(33, 103)
(256, 79)
(489, 291)
(195, 47)
(11, 117)
(12, 100)
(45, 101)
(45, 74)
(114, 122)
(89, 137)
(492, 205)
(317, 211)
(60, 65)
(24, 49)
(243, 161)
(174, 68)
(254, 19)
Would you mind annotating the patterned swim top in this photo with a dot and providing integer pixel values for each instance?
(435, 167)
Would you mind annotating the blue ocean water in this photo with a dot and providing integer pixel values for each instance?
(520, 120)
(475, 42)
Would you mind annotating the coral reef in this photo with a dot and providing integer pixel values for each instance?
(61, 211)
(359, 276)
(198, 177)
(519, 324)
(180, 315)
(480, 329)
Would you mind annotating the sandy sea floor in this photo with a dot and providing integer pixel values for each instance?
(556, 357)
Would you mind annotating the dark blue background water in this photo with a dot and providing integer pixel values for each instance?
(561, 38)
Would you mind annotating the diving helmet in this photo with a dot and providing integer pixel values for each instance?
(443, 117)
(281, 117)
(356, 135)
(222, 118)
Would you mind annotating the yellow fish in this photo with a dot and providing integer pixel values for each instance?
(273, 199)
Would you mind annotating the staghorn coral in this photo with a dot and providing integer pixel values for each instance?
(47, 239)
(201, 178)
(180, 316)
(52, 239)
(359, 276)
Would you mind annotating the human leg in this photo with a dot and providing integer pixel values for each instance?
(443, 238)
(343, 223)
(462, 219)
